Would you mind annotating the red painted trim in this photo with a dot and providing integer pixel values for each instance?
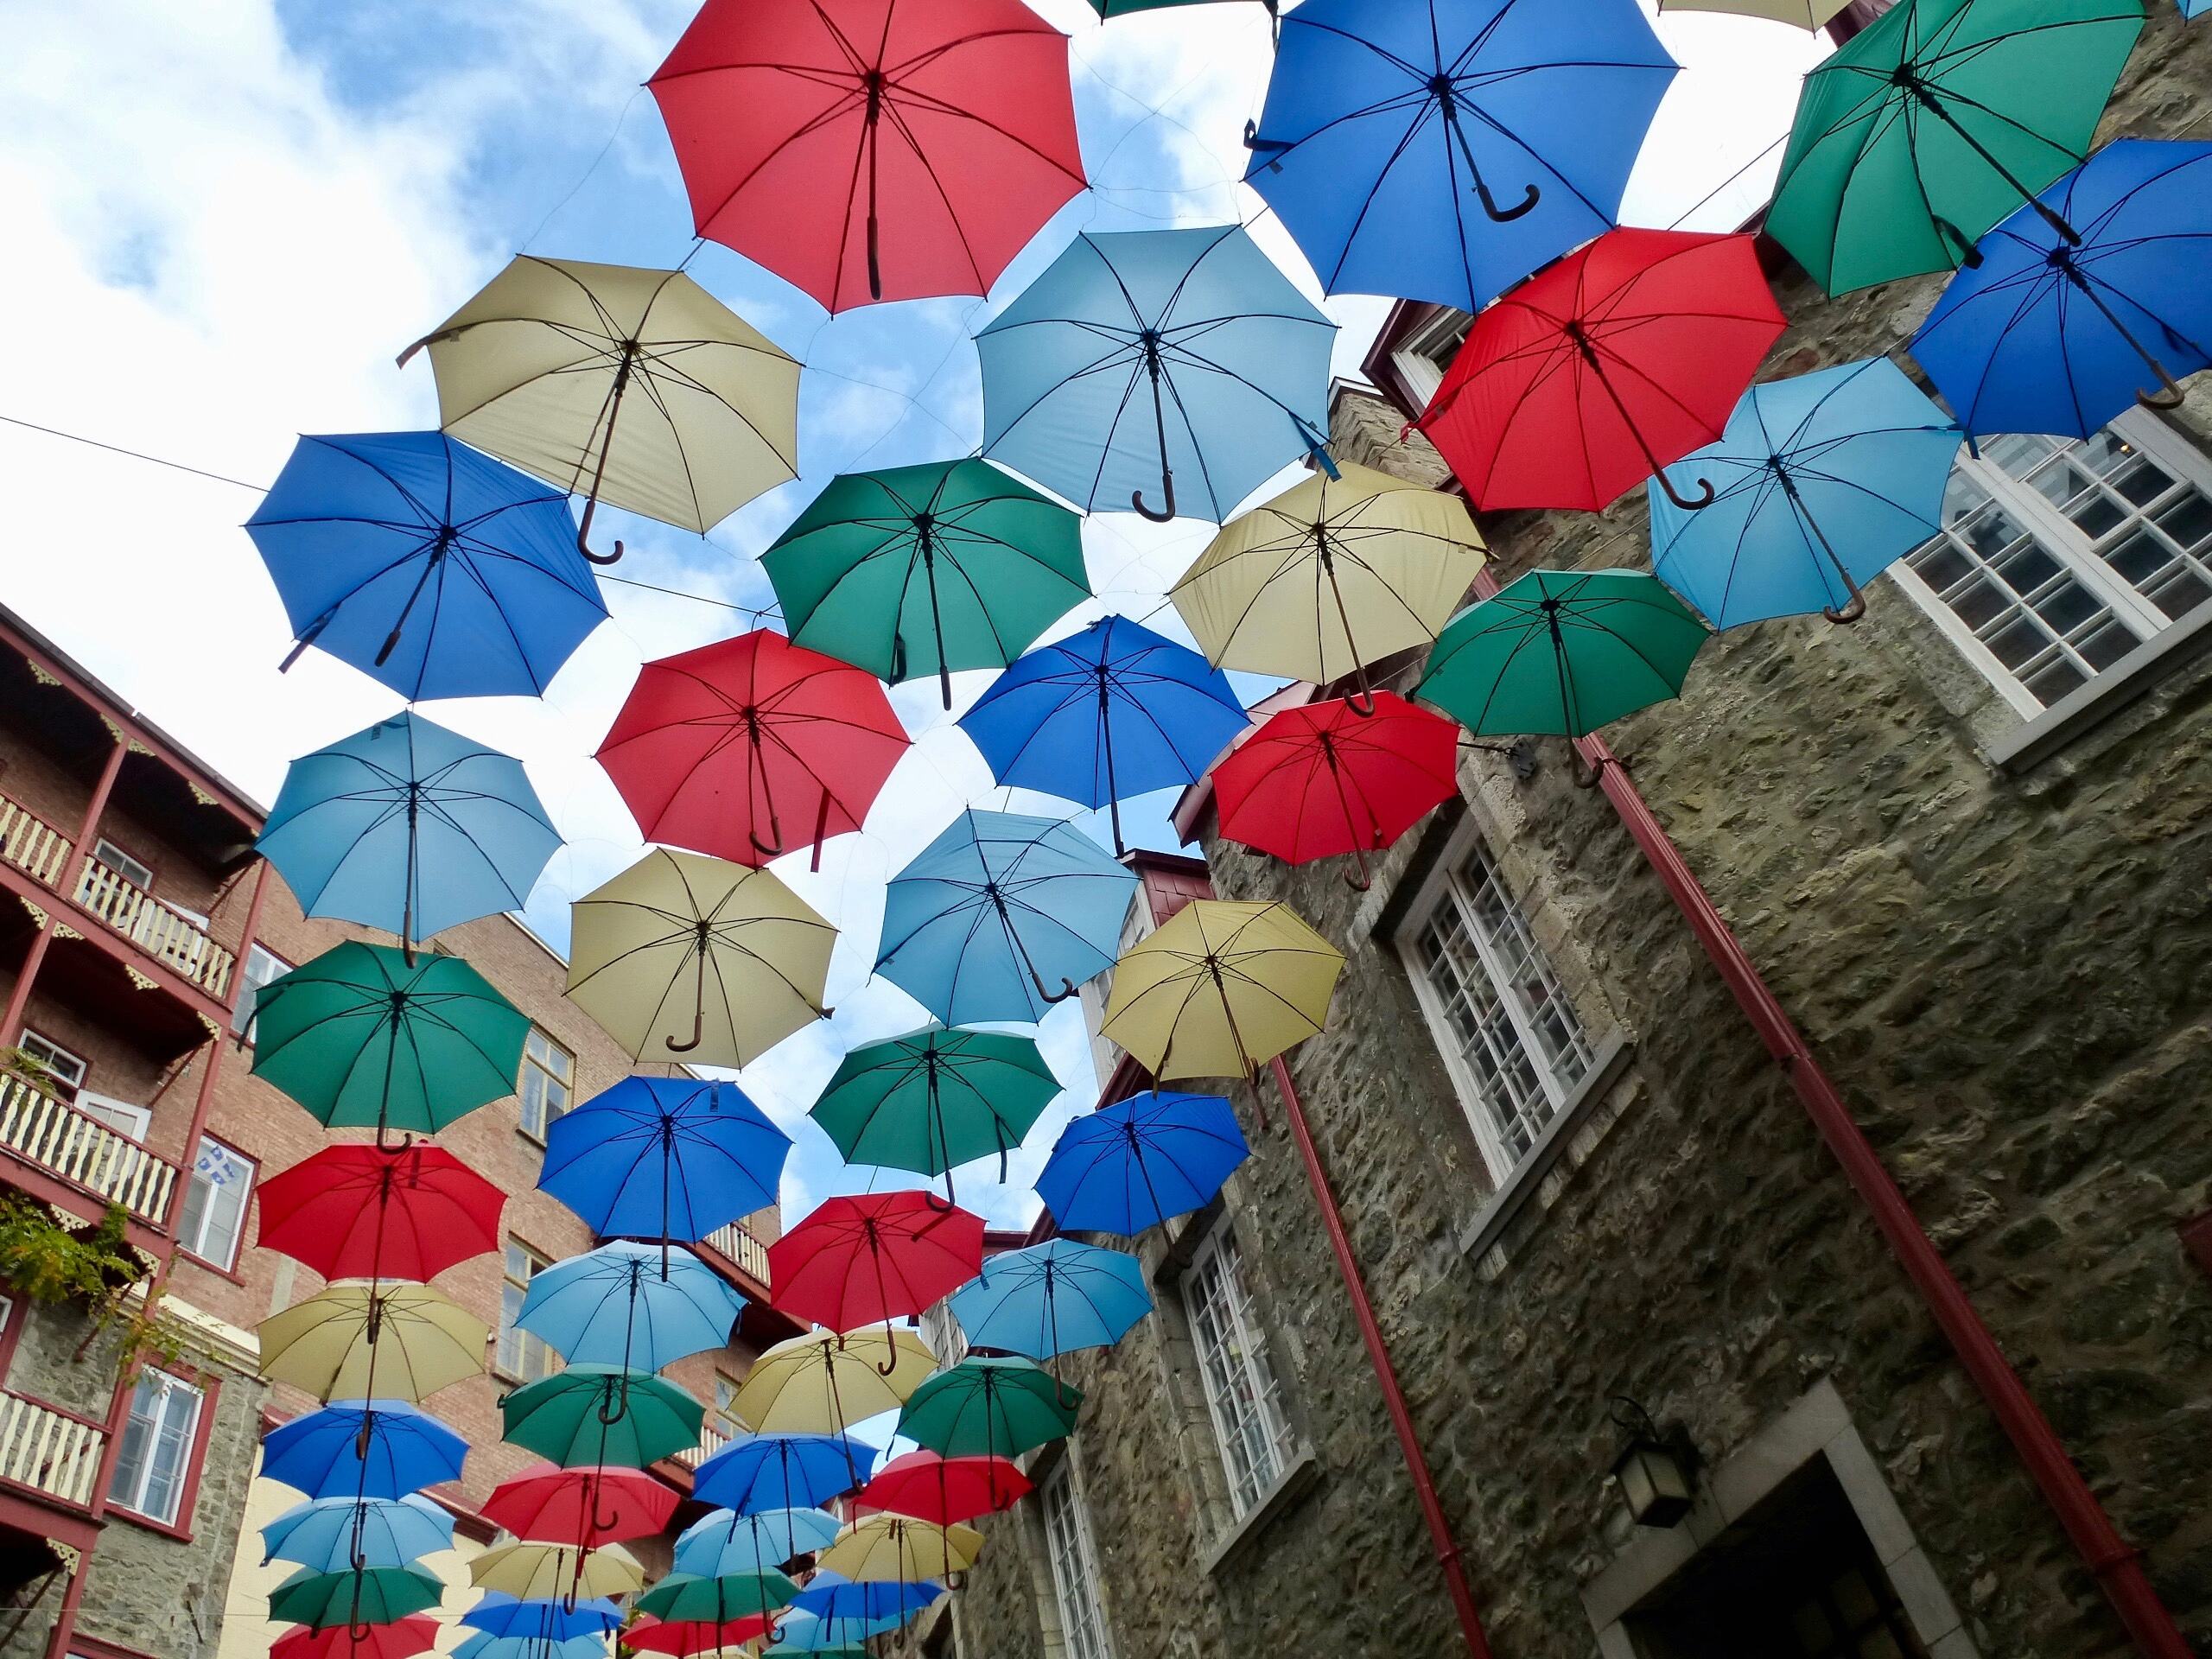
(58, 903)
(12, 1332)
(91, 1647)
(211, 1392)
(39, 1513)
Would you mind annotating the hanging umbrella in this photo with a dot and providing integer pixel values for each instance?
(982, 921)
(868, 1258)
(2053, 332)
(918, 570)
(750, 956)
(1626, 355)
(1323, 780)
(835, 1639)
(348, 1341)
(931, 1487)
(583, 1507)
(899, 1549)
(336, 1534)
(1221, 987)
(403, 1638)
(354, 1211)
(1804, 14)
(990, 1408)
(1134, 1164)
(686, 1638)
(541, 365)
(593, 1415)
(373, 1595)
(1444, 151)
(1934, 122)
(864, 149)
(485, 1646)
(683, 1597)
(665, 1158)
(1198, 330)
(1277, 590)
(434, 570)
(936, 1098)
(725, 1541)
(709, 742)
(364, 1448)
(533, 1572)
(1821, 481)
(766, 1472)
(821, 1382)
(363, 1039)
(837, 1601)
(410, 828)
(630, 1305)
(498, 1614)
(1111, 712)
(1047, 1299)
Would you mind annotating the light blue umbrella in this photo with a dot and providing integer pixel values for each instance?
(986, 917)
(410, 828)
(485, 1645)
(498, 1613)
(836, 1600)
(764, 1472)
(664, 1157)
(800, 1631)
(1051, 1298)
(1142, 357)
(724, 1542)
(1820, 482)
(630, 1305)
(336, 1534)
(363, 1448)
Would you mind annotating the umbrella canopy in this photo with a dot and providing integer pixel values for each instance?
(364, 1448)
(801, 1632)
(2055, 334)
(726, 1542)
(636, 387)
(348, 1341)
(408, 826)
(685, 1638)
(982, 921)
(899, 1549)
(335, 1534)
(1134, 1164)
(1142, 357)
(1562, 651)
(1050, 1299)
(363, 1038)
(592, 1415)
(736, 747)
(432, 568)
(989, 1409)
(1111, 712)
(664, 1157)
(1222, 987)
(867, 1258)
(1443, 152)
(684, 1597)
(931, 1487)
(1324, 778)
(1934, 122)
(867, 149)
(918, 570)
(630, 1306)
(533, 1572)
(373, 1595)
(484, 1645)
(547, 1620)
(766, 1473)
(936, 1098)
(837, 1601)
(584, 1507)
(1332, 575)
(1804, 14)
(821, 1382)
(1820, 481)
(1627, 354)
(355, 1212)
(402, 1638)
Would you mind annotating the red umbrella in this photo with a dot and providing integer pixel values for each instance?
(686, 1637)
(582, 1507)
(942, 1490)
(873, 1255)
(1323, 780)
(359, 1212)
(872, 149)
(715, 746)
(1603, 368)
(401, 1639)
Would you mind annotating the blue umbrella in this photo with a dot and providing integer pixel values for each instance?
(800, 1631)
(408, 826)
(1820, 482)
(986, 916)
(628, 1305)
(427, 565)
(778, 1472)
(373, 1448)
(831, 1599)
(725, 1542)
(1139, 356)
(1113, 711)
(484, 1645)
(1130, 1166)
(2081, 297)
(1443, 151)
(500, 1614)
(336, 1534)
(664, 1157)
(1051, 1298)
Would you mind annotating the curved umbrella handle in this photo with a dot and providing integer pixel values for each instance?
(1850, 612)
(1167, 489)
(400, 1145)
(2168, 395)
(1068, 988)
(1688, 503)
(618, 1397)
(698, 1032)
(583, 536)
(1586, 776)
(1506, 215)
(1270, 148)
(763, 847)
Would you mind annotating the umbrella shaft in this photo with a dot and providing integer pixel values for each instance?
(1925, 96)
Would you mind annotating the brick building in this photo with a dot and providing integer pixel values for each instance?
(1953, 862)
(134, 922)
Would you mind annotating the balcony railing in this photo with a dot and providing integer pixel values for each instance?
(49, 1450)
(733, 1243)
(32, 845)
(166, 934)
(85, 1151)
(711, 1441)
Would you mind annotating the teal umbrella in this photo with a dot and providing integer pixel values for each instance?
(687, 1598)
(936, 1098)
(596, 1414)
(371, 1595)
(986, 1407)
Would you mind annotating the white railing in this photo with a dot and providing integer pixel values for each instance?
(168, 935)
(711, 1441)
(85, 1151)
(31, 844)
(733, 1243)
(48, 1451)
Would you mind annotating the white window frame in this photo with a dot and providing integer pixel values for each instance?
(46, 1051)
(1072, 1556)
(534, 1120)
(131, 1489)
(125, 1118)
(195, 1238)
(1252, 1433)
(518, 1353)
(943, 1336)
(261, 967)
(1416, 359)
(110, 856)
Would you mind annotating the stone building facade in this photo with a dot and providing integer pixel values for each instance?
(1974, 867)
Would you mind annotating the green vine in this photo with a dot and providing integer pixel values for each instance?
(50, 1261)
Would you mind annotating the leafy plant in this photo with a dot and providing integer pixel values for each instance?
(50, 1261)
(22, 1063)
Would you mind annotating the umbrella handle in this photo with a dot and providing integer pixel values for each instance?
(1068, 988)
(1586, 776)
(1850, 612)
(400, 1145)
(1506, 215)
(698, 1032)
(763, 847)
(1688, 503)
(1270, 148)
(619, 1398)
(1167, 489)
(583, 536)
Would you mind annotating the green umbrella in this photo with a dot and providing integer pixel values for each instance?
(935, 1098)
(361, 1037)
(372, 1595)
(592, 1414)
(989, 1409)
(1937, 120)
(919, 570)
(682, 1596)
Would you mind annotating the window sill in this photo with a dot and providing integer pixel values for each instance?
(205, 1266)
(1514, 1192)
(2132, 677)
(163, 1528)
(1291, 1485)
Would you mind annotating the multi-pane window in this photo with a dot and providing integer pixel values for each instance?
(1512, 1039)
(548, 1073)
(2059, 557)
(107, 853)
(261, 967)
(65, 1073)
(1242, 1396)
(1424, 357)
(156, 1456)
(215, 1197)
(943, 1333)
(1075, 1566)
(522, 1355)
(726, 1406)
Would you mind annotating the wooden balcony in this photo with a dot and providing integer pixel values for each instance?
(735, 1245)
(48, 1451)
(711, 1441)
(172, 938)
(54, 1136)
(32, 845)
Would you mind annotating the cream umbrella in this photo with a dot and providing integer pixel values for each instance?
(1804, 14)
(899, 1549)
(536, 1572)
(821, 1382)
(1332, 575)
(630, 384)
(372, 1342)
(742, 953)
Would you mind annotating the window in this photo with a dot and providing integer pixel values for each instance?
(548, 1072)
(1075, 1566)
(214, 1217)
(261, 967)
(725, 1404)
(107, 853)
(2057, 558)
(157, 1446)
(946, 1340)
(1241, 1398)
(65, 1071)
(522, 1355)
(1425, 355)
(1512, 1041)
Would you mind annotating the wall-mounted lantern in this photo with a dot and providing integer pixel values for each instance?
(1656, 1471)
